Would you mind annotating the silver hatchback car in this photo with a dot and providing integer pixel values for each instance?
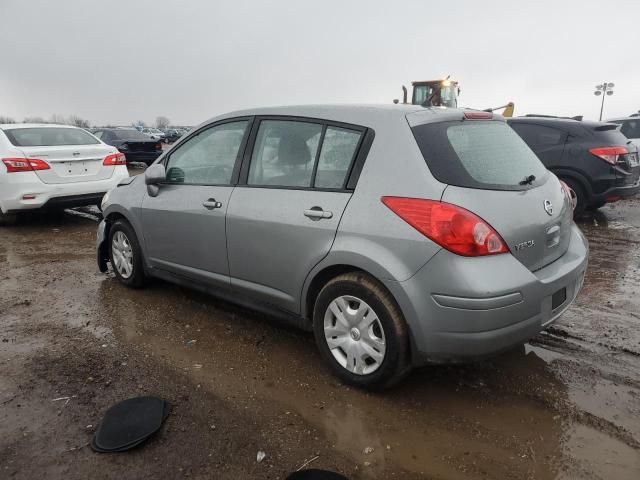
(399, 234)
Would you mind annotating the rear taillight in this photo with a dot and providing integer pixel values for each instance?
(609, 154)
(452, 227)
(159, 146)
(15, 165)
(115, 159)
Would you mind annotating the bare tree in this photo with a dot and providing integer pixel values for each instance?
(57, 118)
(33, 120)
(5, 119)
(162, 122)
(139, 124)
(78, 122)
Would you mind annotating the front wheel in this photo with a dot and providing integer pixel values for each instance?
(361, 332)
(125, 255)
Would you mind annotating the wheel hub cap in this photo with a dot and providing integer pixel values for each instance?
(354, 335)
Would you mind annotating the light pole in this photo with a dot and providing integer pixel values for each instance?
(603, 89)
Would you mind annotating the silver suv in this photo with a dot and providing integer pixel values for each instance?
(400, 235)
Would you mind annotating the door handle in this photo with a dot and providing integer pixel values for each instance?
(317, 213)
(211, 204)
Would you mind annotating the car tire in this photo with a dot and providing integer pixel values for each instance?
(581, 196)
(8, 219)
(125, 255)
(371, 353)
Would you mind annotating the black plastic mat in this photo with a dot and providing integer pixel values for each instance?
(129, 423)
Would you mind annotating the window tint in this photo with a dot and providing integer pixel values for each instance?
(284, 153)
(49, 136)
(630, 128)
(209, 157)
(538, 135)
(477, 154)
(338, 149)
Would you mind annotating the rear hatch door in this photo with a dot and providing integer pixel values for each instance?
(491, 172)
(535, 223)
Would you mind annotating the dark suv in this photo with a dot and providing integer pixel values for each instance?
(597, 161)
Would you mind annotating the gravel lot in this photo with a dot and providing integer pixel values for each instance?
(566, 405)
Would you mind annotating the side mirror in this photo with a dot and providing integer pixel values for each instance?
(153, 176)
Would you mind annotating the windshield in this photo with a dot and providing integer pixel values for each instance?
(49, 136)
(446, 95)
(479, 154)
(129, 135)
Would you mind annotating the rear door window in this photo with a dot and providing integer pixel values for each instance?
(285, 153)
(539, 135)
(339, 147)
(479, 154)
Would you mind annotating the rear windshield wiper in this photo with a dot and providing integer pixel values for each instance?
(528, 180)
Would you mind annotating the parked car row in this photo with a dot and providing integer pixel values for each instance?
(374, 227)
(168, 135)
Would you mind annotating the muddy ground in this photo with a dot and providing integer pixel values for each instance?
(74, 341)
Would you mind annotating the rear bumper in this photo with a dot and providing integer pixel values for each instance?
(462, 308)
(617, 192)
(62, 195)
(142, 157)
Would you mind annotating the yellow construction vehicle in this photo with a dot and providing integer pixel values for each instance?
(433, 93)
(442, 93)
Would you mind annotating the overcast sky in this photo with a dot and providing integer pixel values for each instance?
(116, 61)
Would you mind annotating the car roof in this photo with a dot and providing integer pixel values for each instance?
(367, 115)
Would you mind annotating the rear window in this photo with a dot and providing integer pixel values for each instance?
(478, 154)
(49, 136)
(129, 135)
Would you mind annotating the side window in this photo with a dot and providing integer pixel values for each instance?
(209, 157)
(338, 149)
(284, 153)
(98, 134)
(538, 135)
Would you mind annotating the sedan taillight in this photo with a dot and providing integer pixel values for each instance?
(114, 159)
(159, 146)
(15, 165)
(609, 154)
(450, 226)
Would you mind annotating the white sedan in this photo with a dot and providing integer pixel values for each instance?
(54, 166)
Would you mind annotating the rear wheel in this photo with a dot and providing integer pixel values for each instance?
(580, 196)
(125, 254)
(361, 332)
